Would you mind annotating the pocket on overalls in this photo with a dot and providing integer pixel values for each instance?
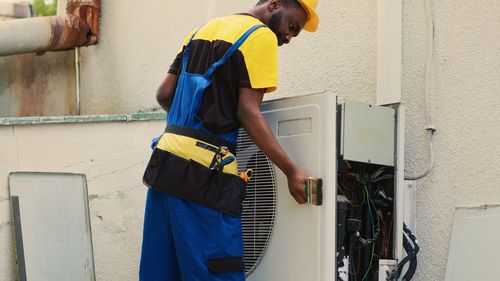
(226, 265)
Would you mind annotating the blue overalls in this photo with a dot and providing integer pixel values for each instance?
(198, 237)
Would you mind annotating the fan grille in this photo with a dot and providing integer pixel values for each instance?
(259, 207)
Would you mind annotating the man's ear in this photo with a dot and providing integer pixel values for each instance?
(273, 5)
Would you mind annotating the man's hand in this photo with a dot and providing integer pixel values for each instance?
(297, 185)
(259, 131)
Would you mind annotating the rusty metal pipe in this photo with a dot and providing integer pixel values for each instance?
(79, 27)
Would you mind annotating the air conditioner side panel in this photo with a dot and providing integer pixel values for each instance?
(302, 246)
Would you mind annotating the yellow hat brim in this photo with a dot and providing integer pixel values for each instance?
(312, 18)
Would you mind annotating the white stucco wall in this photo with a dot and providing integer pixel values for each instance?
(465, 104)
(139, 42)
(113, 156)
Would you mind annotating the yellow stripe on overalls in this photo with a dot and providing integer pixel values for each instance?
(186, 148)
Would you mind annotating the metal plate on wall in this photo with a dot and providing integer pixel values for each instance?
(52, 226)
(474, 245)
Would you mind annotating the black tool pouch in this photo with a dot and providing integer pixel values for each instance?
(191, 181)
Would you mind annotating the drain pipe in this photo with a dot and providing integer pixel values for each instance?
(429, 127)
(78, 27)
(77, 79)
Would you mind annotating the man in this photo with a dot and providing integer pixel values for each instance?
(192, 225)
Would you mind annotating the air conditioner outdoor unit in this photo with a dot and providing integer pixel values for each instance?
(287, 241)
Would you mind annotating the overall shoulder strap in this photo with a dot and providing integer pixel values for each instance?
(185, 55)
(231, 50)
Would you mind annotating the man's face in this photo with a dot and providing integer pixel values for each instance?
(287, 23)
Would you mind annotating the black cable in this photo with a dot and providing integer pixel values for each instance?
(412, 268)
(411, 257)
(352, 273)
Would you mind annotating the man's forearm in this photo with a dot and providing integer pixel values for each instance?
(259, 131)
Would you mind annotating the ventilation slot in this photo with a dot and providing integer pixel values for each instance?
(259, 207)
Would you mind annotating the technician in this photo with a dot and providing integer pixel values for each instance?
(192, 223)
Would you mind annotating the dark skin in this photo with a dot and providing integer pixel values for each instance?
(286, 23)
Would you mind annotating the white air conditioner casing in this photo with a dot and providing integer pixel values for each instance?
(301, 244)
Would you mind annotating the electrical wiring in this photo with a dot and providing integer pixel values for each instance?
(370, 264)
(370, 200)
(363, 187)
(340, 186)
(412, 252)
(377, 173)
(354, 273)
(385, 202)
(384, 177)
(386, 234)
(363, 241)
(374, 234)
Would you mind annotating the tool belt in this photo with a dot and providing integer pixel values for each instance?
(200, 135)
(194, 182)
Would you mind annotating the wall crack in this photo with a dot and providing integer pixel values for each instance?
(5, 225)
(118, 193)
(116, 171)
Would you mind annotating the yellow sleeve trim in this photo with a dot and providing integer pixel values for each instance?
(261, 59)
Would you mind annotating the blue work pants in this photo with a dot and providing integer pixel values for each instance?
(180, 237)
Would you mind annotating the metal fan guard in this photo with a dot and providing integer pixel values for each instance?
(259, 206)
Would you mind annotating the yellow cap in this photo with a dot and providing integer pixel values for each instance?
(312, 18)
